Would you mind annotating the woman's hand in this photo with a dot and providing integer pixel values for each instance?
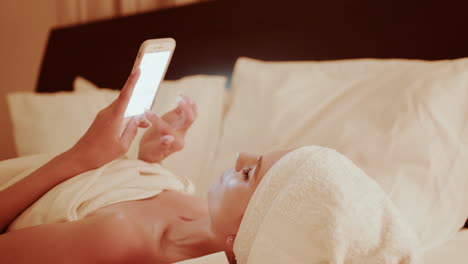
(104, 141)
(167, 133)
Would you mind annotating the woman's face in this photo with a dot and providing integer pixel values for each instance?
(228, 198)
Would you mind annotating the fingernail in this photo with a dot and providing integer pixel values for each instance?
(237, 155)
(179, 99)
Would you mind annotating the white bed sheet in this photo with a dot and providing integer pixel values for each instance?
(453, 252)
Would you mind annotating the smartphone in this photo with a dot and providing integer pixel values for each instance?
(153, 59)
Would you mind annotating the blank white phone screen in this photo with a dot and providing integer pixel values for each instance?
(152, 68)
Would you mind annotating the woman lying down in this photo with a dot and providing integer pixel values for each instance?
(305, 205)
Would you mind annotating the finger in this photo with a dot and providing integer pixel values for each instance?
(144, 124)
(180, 102)
(130, 132)
(195, 108)
(193, 105)
(178, 144)
(162, 151)
(127, 91)
(156, 121)
(189, 114)
(174, 113)
(177, 111)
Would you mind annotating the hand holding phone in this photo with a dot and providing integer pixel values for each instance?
(106, 138)
(153, 59)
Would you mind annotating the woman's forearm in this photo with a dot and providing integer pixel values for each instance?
(19, 196)
(103, 142)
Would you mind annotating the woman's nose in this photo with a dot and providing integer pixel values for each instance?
(245, 159)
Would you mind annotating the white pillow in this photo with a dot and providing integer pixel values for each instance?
(52, 123)
(404, 122)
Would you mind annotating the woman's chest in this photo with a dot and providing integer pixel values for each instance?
(155, 218)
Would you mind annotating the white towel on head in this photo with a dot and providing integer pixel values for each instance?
(118, 181)
(315, 206)
(215, 258)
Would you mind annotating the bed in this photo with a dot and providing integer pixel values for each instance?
(212, 35)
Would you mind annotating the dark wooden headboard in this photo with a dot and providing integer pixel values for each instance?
(211, 35)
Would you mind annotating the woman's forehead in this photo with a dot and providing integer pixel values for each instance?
(268, 160)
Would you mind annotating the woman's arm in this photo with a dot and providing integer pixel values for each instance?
(20, 195)
(97, 239)
(102, 143)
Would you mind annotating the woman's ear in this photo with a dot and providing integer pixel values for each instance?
(230, 249)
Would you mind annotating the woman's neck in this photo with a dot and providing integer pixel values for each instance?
(195, 237)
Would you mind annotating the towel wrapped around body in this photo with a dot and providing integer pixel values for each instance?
(315, 206)
(118, 181)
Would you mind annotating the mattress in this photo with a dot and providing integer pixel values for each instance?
(453, 252)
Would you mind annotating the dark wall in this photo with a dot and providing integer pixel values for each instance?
(211, 35)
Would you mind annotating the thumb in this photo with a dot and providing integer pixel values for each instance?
(130, 132)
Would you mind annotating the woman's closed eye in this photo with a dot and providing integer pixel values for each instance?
(246, 173)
